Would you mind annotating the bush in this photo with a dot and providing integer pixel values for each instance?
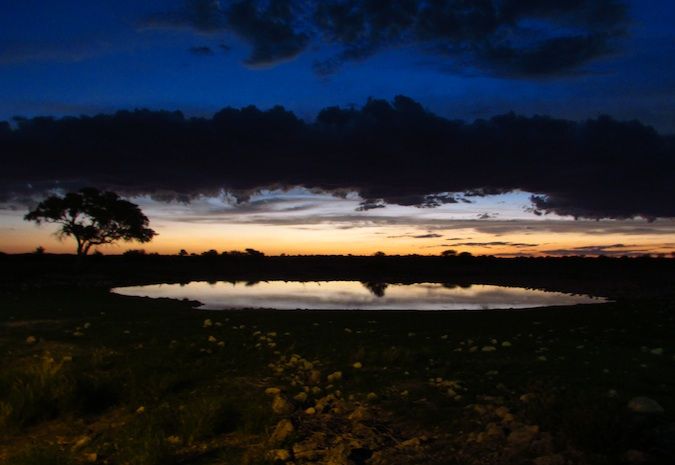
(37, 392)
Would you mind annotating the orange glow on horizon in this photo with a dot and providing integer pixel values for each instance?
(326, 240)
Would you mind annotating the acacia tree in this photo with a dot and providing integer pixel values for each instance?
(93, 218)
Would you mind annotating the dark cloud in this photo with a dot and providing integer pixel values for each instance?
(416, 236)
(201, 50)
(203, 16)
(611, 250)
(505, 37)
(492, 244)
(390, 153)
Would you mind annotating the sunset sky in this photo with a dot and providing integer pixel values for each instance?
(335, 172)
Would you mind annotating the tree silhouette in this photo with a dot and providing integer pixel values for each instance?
(93, 218)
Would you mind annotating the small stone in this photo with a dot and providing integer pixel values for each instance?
(645, 405)
(207, 323)
(282, 431)
(301, 397)
(272, 391)
(314, 377)
(488, 349)
(212, 339)
(444, 337)
(657, 351)
(80, 443)
(174, 440)
(281, 406)
(279, 455)
(409, 443)
(140, 410)
(542, 358)
(90, 457)
(506, 344)
(87, 325)
(357, 365)
(359, 414)
(30, 340)
(523, 436)
(335, 376)
(371, 396)
(310, 411)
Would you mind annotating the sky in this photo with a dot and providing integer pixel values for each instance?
(397, 174)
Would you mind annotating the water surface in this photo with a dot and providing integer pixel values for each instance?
(354, 295)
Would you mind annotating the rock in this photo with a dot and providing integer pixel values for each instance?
(657, 351)
(324, 402)
(90, 457)
(310, 411)
(282, 431)
(410, 443)
(301, 397)
(371, 396)
(30, 340)
(281, 406)
(506, 344)
(502, 412)
(359, 414)
(273, 391)
(555, 459)
(174, 440)
(336, 376)
(493, 431)
(644, 405)
(279, 455)
(80, 443)
(527, 397)
(357, 365)
(488, 349)
(521, 437)
(314, 377)
(140, 410)
(207, 323)
(212, 339)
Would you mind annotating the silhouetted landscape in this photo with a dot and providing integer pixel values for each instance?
(337, 232)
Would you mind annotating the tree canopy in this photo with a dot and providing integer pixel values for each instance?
(93, 218)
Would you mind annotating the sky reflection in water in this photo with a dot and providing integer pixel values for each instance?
(354, 295)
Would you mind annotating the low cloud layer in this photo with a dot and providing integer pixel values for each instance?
(390, 153)
(503, 37)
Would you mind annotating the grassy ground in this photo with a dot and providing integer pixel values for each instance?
(89, 377)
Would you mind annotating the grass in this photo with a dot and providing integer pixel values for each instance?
(141, 380)
(41, 455)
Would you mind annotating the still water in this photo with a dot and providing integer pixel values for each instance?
(354, 295)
